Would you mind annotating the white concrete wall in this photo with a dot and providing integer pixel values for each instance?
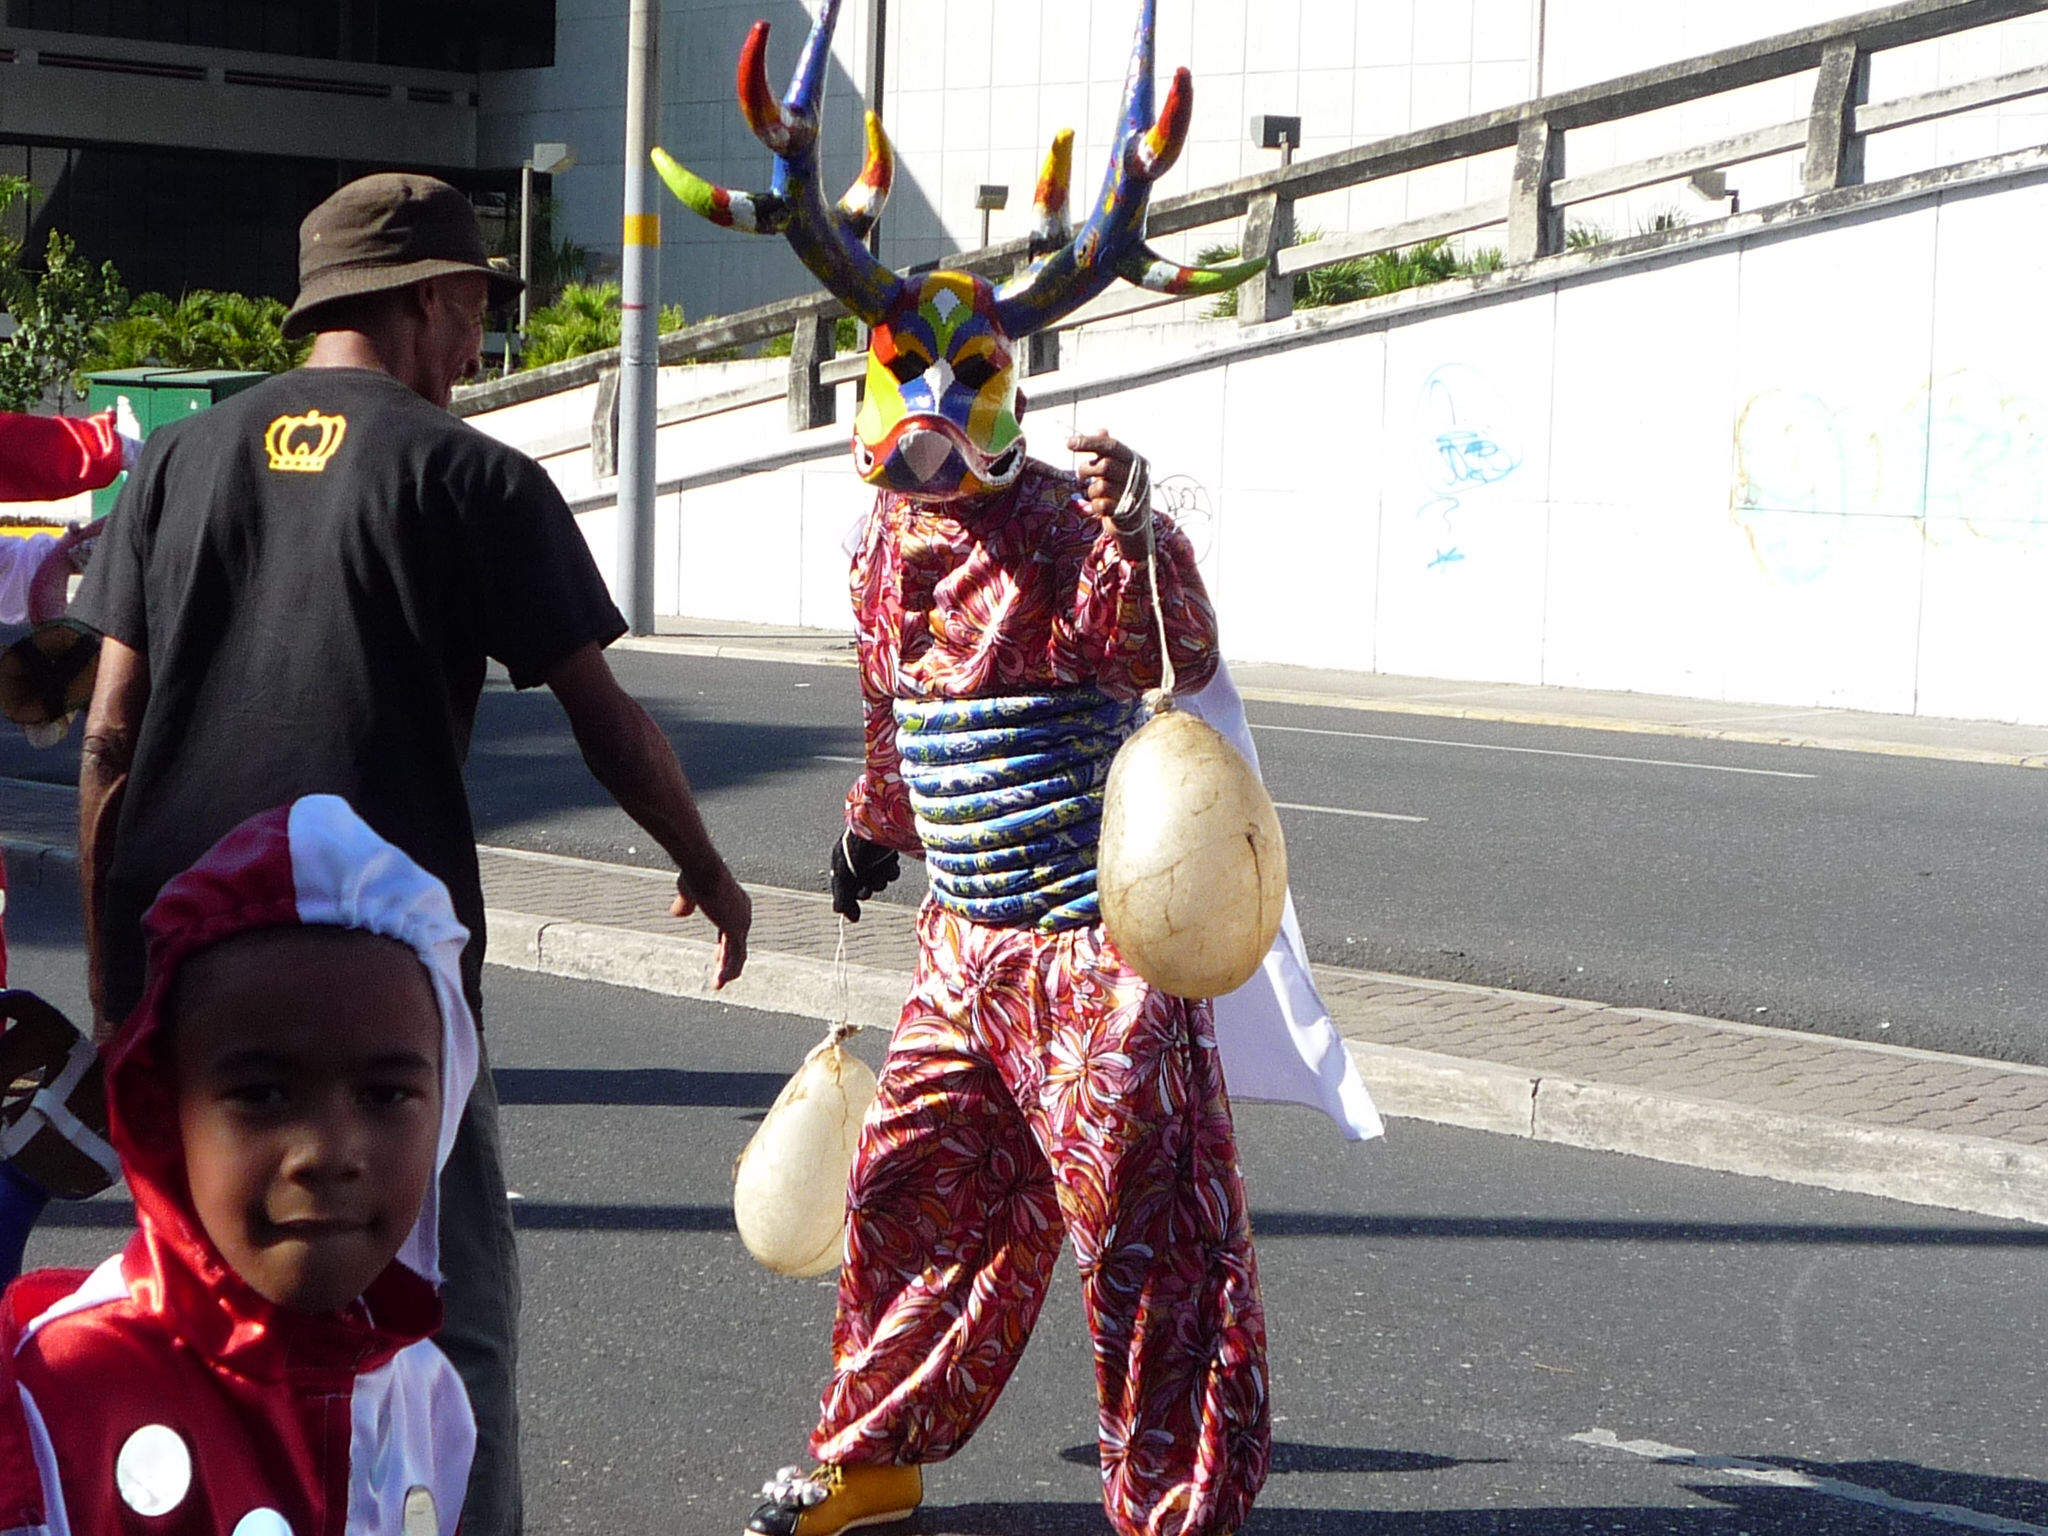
(975, 90)
(1808, 469)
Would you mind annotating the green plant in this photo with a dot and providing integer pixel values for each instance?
(1362, 277)
(584, 319)
(556, 263)
(1663, 220)
(201, 329)
(1584, 236)
(1430, 262)
(13, 189)
(845, 338)
(57, 314)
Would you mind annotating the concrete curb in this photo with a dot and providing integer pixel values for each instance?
(679, 967)
(1962, 1173)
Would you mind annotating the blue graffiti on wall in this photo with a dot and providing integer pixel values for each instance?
(1467, 446)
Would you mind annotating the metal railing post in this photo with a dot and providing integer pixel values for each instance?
(812, 403)
(1834, 150)
(1268, 230)
(1535, 228)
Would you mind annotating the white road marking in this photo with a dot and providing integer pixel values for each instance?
(1338, 810)
(826, 757)
(1489, 746)
(1830, 1487)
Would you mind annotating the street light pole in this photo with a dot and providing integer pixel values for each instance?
(525, 238)
(639, 323)
(546, 160)
(525, 256)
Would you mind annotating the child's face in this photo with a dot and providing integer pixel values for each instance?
(309, 1102)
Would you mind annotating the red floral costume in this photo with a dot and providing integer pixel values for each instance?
(1036, 1086)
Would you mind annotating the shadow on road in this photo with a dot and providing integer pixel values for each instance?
(1290, 1456)
(665, 1086)
(1740, 1512)
(2019, 1499)
(523, 761)
(636, 1086)
(1525, 1229)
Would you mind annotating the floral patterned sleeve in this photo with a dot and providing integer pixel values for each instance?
(1115, 637)
(878, 806)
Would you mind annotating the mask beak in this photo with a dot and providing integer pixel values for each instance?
(928, 458)
(924, 452)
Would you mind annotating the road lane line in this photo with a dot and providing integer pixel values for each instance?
(1338, 810)
(827, 757)
(1829, 1487)
(1488, 746)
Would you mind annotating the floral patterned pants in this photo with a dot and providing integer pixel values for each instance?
(1038, 1088)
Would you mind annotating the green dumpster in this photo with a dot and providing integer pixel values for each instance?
(159, 396)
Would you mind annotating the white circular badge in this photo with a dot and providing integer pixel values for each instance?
(154, 1470)
(263, 1522)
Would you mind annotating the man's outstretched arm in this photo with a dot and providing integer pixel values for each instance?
(627, 754)
(113, 722)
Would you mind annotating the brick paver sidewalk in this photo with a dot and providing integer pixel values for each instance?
(1844, 1113)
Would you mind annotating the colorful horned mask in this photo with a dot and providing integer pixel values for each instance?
(939, 419)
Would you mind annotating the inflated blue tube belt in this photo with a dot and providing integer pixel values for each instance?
(1007, 797)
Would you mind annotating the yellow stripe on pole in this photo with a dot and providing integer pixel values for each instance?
(643, 229)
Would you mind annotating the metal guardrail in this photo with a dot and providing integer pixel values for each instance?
(1531, 208)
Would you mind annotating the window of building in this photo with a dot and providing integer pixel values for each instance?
(465, 35)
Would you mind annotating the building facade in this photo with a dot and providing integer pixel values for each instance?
(184, 138)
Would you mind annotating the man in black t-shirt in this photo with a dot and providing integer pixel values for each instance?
(298, 592)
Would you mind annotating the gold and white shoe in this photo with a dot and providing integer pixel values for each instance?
(835, 1498)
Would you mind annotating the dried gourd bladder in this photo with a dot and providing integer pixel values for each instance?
(789, 1185)
(1193, 869)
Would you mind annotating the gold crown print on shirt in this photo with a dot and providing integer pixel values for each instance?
(304, 444)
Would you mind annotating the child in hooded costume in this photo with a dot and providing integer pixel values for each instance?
(257, 1361)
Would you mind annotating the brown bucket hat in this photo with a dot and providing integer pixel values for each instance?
(383, 232)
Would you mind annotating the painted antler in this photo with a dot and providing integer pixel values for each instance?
(830, 241)
(1112, 241)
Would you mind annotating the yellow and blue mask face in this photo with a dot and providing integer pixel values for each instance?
(939, 420)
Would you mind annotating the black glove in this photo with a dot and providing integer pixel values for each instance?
(859, 870)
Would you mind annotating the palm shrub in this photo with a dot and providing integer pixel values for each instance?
(1362, 277)
(584, 319)
(845, 338)
(200, 329)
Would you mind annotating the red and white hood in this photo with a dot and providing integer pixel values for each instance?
(314, 862)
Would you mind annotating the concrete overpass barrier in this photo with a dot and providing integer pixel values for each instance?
(1792, 455)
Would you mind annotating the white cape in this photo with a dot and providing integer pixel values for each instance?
(1274, 1032)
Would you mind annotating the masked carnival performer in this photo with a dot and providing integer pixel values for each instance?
(1036, 1087)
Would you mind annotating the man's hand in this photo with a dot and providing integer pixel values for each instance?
(128, 429)
(860, 869)
(49, 590)
(1104, 468)
(1109, 470)
(731, 912)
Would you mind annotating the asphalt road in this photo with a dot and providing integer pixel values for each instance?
(1447, 1312)
(1883, 898)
